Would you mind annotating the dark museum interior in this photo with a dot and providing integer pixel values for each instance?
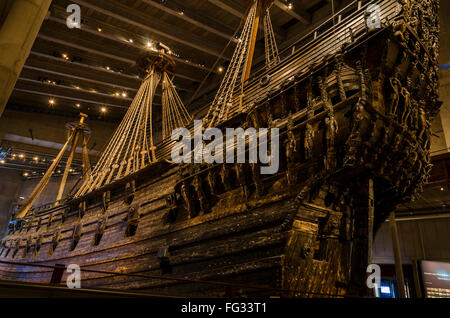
(350, 100)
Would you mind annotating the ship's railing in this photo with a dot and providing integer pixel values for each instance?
(325, 40)
(309, 50)
(330, 22)
(229, 289)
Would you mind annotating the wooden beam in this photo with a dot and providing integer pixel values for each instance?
(69, 98)
(187, 42)
(186, 16)
(124, 41)
(135, 78)
(292, 12)
(84, 79)
(91, 67)
(227, 8)
(23, 79)
(101, 53)
(251, 49)
(240, 15)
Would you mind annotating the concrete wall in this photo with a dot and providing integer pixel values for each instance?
(52, 128)
(49, 194)
(46, 128)
(10, 184)
(13, 186)
(419, 240)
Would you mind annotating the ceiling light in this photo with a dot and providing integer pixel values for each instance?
(131, 40)
(103, 109)
(36, 158)
(117, 94)
(442, 188)
(99, 29)
(2, 162)
(51, 101)
(78, 105)
(25, 174)
(290, 6)
(149, 44)
(108, 68)
(124, 94)
(21, 156)
(220, 69)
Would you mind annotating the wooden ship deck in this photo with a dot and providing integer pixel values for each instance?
(353, 105)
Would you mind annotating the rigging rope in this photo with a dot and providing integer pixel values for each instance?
(235, 71)
(272, 56)
(132, 146)
(233, 80)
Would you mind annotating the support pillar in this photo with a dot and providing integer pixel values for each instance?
(397, 256)
(17, 35)
(370, 220)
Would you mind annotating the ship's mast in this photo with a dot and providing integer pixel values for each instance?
(78, 131)
(132, 146)
(251, 49)
(238, 72)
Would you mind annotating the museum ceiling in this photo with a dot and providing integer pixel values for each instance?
(92, 69)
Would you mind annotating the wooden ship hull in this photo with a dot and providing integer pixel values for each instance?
(353, 107)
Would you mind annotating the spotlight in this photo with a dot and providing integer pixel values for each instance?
(290, 6)
(103, 109)
(78, 105)
(2, 162)
(99, 29)
(220, 69)
(51, 101)
(124, 94)
(26, 174)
